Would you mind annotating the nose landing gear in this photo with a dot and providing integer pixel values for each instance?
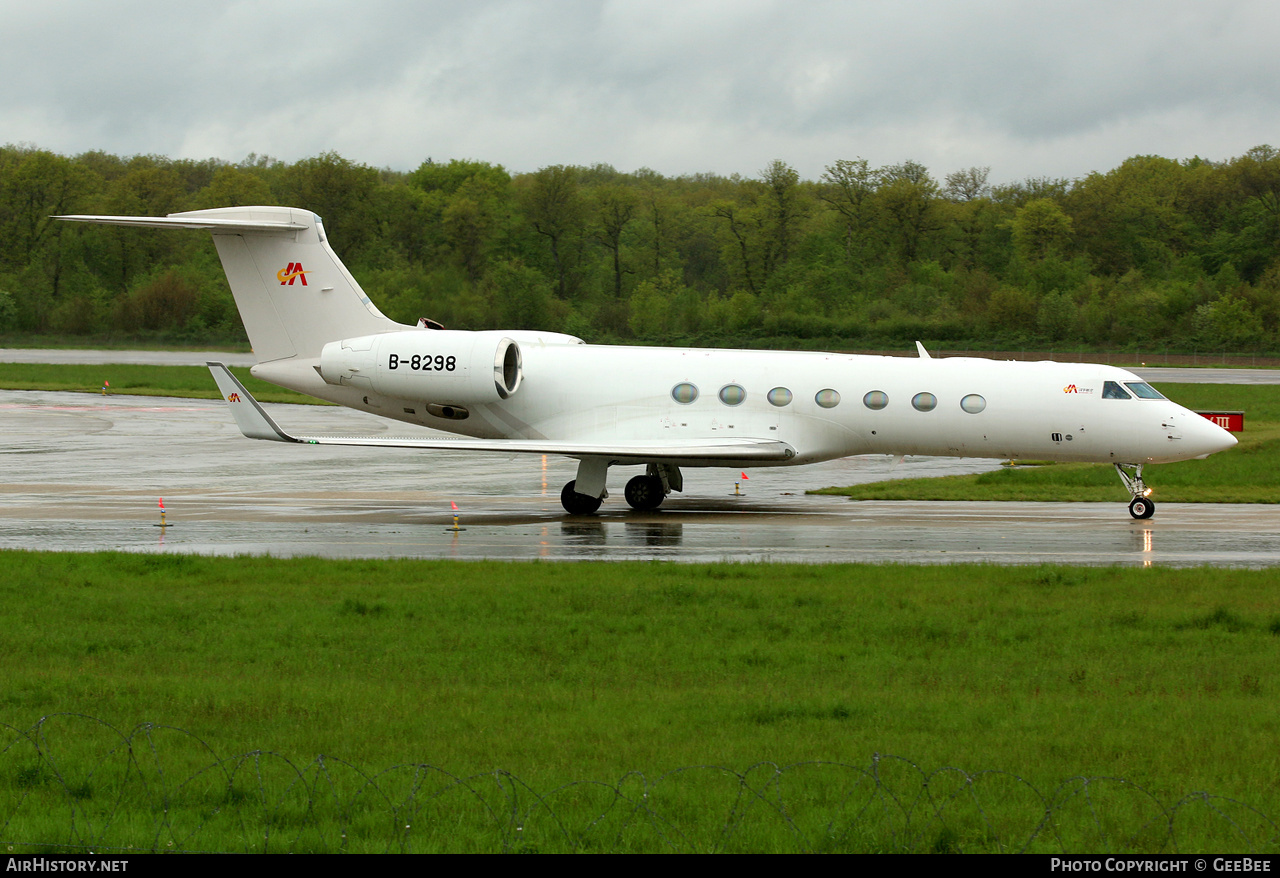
(1140, 507)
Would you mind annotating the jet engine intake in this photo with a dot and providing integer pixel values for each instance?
(440, 367)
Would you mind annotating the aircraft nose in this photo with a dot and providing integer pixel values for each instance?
(1202, 437)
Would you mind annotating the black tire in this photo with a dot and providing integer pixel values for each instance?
(1141, 508)
(578, 504)
(644, 492)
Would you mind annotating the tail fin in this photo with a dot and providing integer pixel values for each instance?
(293, 293)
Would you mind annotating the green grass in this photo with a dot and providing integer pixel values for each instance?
(192, 382)
(573, 675)
(1248, 473)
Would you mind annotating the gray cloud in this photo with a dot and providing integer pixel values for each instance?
(1052, 89)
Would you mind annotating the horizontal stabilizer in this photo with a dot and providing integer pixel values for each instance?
(178, 221)
(255, 423)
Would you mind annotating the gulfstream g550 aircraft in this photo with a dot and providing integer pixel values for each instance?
(315, 331)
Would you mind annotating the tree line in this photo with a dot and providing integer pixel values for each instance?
(1174, 253)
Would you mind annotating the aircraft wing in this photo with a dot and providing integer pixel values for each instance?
(255, 423)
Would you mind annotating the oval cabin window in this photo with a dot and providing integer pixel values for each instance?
(876, 400)
(684, 393)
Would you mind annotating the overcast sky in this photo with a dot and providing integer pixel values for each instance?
(1029, 88)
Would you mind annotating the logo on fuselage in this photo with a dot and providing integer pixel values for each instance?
(1070, 388)
(293, 271)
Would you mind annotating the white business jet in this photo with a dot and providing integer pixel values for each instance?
(315, 331)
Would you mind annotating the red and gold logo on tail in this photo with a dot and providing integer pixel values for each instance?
(293, 271)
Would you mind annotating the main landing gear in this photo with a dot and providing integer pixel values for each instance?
(643, 493)
(578, 504)
(1140, 507)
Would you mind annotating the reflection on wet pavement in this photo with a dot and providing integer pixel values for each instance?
(84, 472)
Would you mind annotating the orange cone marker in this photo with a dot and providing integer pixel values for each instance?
(455, 529)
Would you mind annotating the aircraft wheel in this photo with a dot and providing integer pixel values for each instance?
(575, 503)
(1141, 508)
(645, 492)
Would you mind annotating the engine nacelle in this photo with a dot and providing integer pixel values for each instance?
(444, 367)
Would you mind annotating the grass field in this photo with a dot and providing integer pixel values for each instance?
(570, 676)
(1248, 473)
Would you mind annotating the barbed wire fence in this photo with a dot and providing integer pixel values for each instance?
(73, 783)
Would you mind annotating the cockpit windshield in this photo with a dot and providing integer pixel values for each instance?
(1143, 389)
(1112, 390)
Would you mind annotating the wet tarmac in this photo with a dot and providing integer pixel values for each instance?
(85, 472)
(1189, 375)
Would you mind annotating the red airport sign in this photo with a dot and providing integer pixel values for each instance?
(1232, 422)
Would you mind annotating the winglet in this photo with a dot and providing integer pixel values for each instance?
(250, 417)
(924, 355)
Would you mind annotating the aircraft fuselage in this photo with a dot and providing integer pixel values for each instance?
(824, 405)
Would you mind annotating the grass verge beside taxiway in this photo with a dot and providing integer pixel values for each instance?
(581, 673)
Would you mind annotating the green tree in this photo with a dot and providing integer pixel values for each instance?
(908, 198)
(1249, 227)
(341, 192)
(1012, 309)
(784, 208)
(233, 187)
(35, 186)
(968, 184)
(554, 207)
(743, 223)
(849, 184)
(1040, 230)
(1057, 315)
(614, 208)
(1227, 324)
(520, 296)
(166, 301)
(654, 306)
(1257, 173)
(1133, 216)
